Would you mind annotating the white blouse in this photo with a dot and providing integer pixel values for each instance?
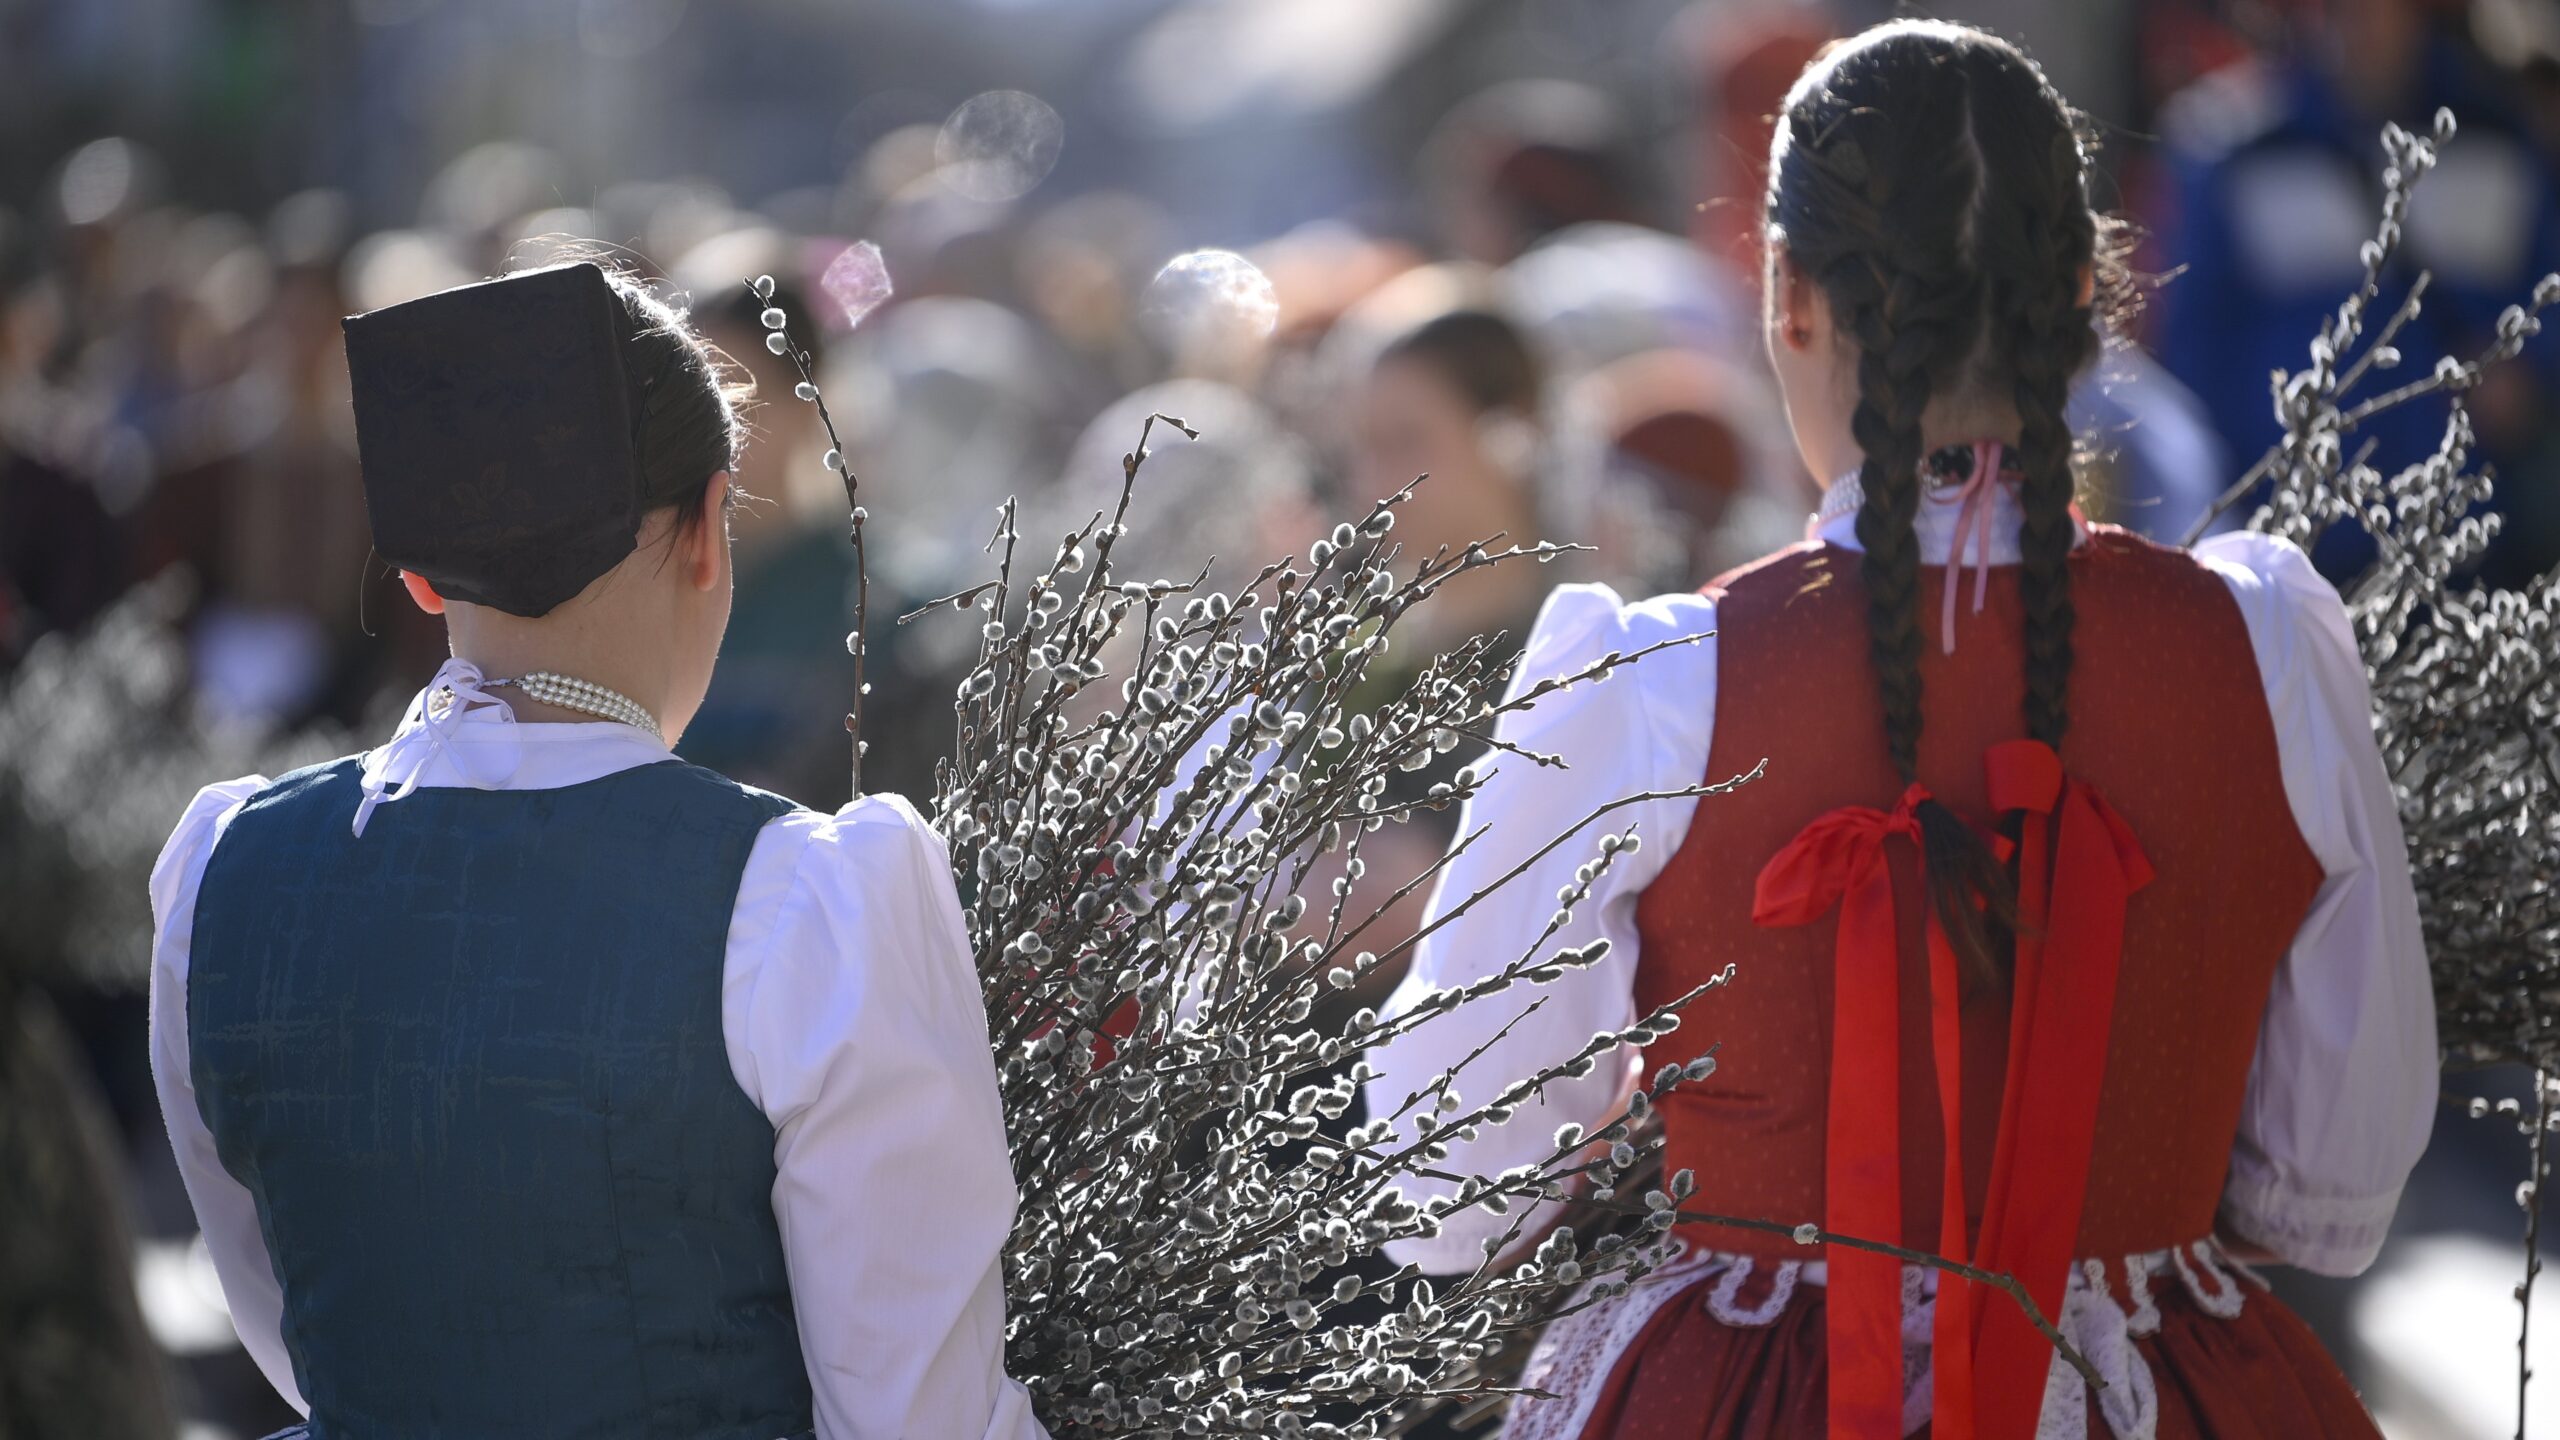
(2343, 1090)
(852, 1017)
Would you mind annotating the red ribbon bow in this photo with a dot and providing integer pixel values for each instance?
(2079, 865)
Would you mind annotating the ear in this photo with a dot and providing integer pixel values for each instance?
(1798, 310)
(421, 593)
(2088, 291)
(708, 544)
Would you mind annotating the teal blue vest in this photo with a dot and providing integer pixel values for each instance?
(470, 1064)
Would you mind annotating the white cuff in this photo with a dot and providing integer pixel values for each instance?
(2324, 1234)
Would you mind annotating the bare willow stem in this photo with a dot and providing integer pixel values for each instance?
(858, 640)
(2005, 1284)
(2540, 1171)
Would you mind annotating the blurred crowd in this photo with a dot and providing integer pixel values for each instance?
(1480, 245)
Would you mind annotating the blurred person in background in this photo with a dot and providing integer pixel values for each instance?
(1526, 159)
(78, 1360)
(950, 404)
(1744, 56)
(291, 574)
(1321, 275)
(2272, 168)
(1691, 481)
(2156, 464)
(1541, 179)
(62, 556)
(1456, 407)
(1085, 262)
(1601, 292)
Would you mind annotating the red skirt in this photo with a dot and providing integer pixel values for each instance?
(2224, 1359)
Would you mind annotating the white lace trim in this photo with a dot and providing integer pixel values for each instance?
(1782, 1288)
(1574, 1358)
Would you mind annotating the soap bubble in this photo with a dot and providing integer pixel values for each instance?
(998, 145)
(1209, 301)
(857, 280)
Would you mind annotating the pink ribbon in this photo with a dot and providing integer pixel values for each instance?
(1975, 516)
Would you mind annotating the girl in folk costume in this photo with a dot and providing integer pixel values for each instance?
(528, 1081)
(2070, 925)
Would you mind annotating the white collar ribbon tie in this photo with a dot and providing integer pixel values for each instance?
(1985, 524)
(426, 734)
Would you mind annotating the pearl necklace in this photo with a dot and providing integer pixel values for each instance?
(584, 696)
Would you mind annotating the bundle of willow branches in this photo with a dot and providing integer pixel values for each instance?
(1151, 778)
(1197, 1247)
(1148, 780)
(2466, 679)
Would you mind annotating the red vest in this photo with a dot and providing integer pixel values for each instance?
(2168, 720)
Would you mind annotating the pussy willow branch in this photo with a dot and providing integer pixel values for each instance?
(2465, 678)
(2539, 1171)
(1810, 1234)
(858, 640)
(1197, 852)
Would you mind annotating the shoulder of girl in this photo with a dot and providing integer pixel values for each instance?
(1784, 561)
(2285, 600)
(1583, 624)
(199, 825)
(2250, 561)
(1595, 617)
(873, 829)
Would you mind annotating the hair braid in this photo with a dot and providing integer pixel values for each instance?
(2044, 540)
(1891, 399)
(1929, 179)
(2039, 305)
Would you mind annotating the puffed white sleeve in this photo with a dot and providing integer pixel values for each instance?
(225, 1211)
(852, 1015)
(1642, 728)
(2343, 1092)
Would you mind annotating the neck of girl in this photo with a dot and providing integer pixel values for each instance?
(508, 647)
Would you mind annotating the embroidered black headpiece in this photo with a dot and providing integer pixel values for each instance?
(496, 426)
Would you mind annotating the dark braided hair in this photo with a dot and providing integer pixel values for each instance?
(1934, 185)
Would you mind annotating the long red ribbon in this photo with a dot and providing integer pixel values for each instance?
(2082, 865)
(1840, 859)
(2075, 883)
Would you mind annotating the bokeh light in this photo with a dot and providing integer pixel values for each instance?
(1208, 302)
(857, 281)
(97, 180)
(998, 145)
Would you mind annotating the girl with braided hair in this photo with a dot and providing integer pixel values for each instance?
(2069, 927)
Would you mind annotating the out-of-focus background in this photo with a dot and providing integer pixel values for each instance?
(1508, 242)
